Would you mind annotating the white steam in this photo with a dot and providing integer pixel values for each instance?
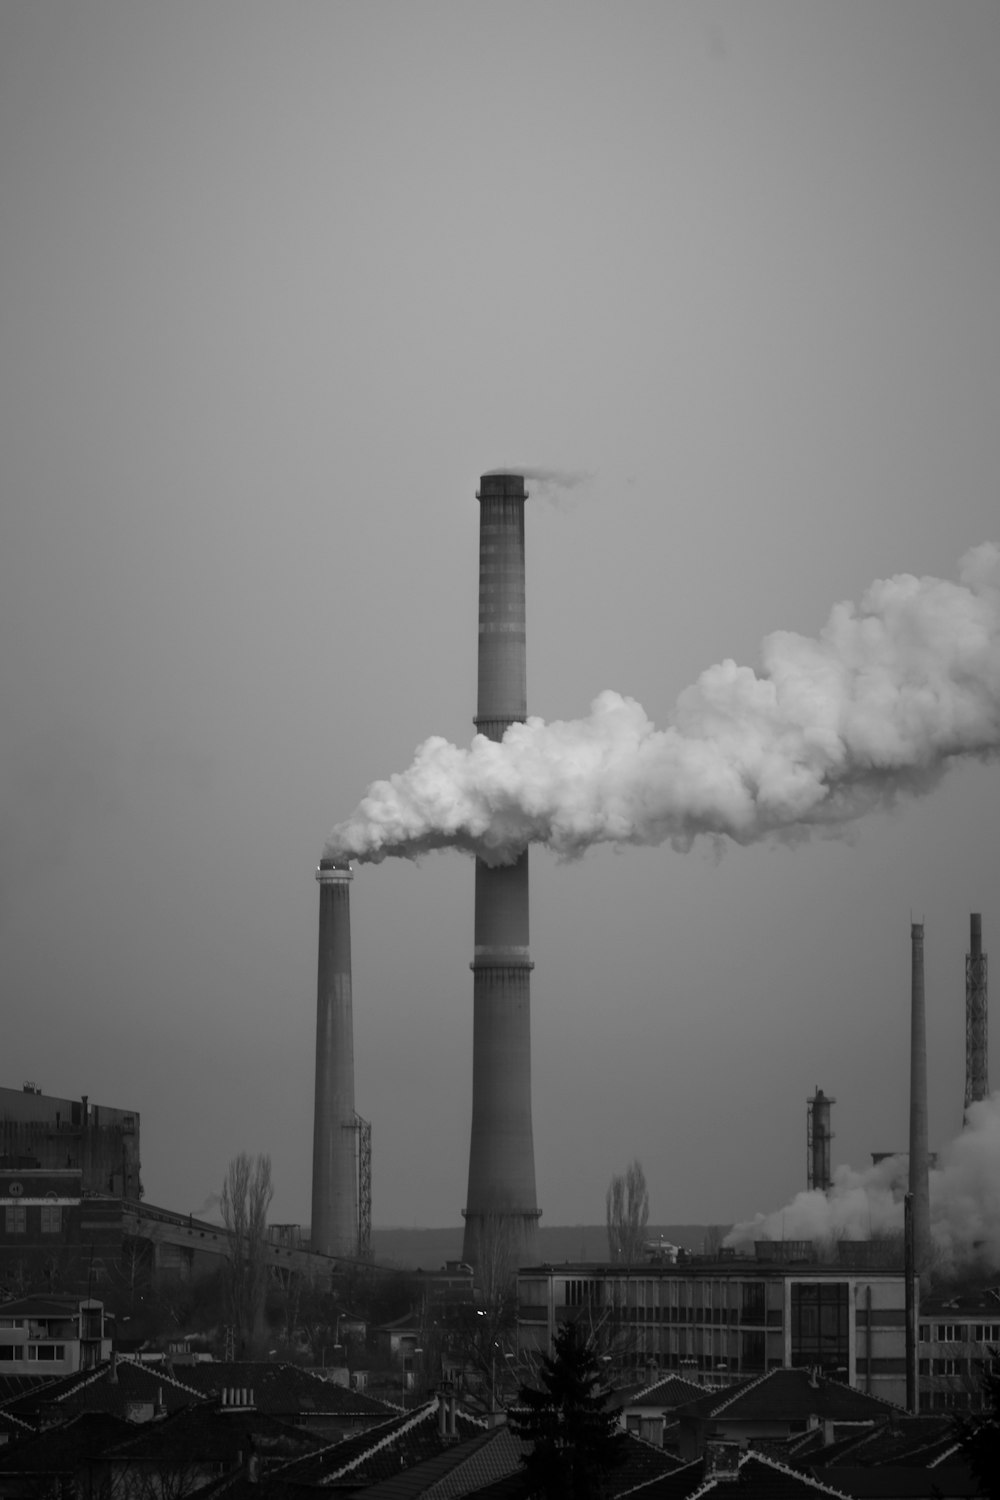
(889, 692)
(964, 1197)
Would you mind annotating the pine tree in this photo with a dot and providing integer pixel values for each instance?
(979, 1435)
(575, 1442)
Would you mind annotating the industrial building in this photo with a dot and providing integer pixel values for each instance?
(40, 1131)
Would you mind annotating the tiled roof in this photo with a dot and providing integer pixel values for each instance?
(893, 1482)
(670, 1392)
(13, 1387)
(108, 1388)
(208, 1434)
(460, 1470)
(791, 1395)
(644, 1463)
(60, 1450)
(913, 1441)
(758, 1478)
(380, 1452)
(41, 1306)
(280, 1389)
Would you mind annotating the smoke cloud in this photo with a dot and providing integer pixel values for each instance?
(964, 1197)
(889, 692)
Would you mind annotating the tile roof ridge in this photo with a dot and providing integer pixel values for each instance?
(418, 1417)
(651, 1479)
(782, 1468)
(949, 1452)
(161, 1373)
(740, 1390)
(337, 1442)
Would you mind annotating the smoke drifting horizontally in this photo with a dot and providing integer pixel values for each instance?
(889, 692)
(964, 1194)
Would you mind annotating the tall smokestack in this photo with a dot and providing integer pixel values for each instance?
(977, 1083)
(919, 1189)
(335, 1183)
(501, 1198)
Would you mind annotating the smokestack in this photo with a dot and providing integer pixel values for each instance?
(501, 1197)
(977, 1083)
(335, 1185)
(919, 1189)
(819, 1135)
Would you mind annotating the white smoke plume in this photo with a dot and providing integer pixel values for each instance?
(890, 691)
(964, 1198)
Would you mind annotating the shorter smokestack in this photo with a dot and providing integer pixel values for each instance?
(919, 1188)
(818, 1138)
(977, 1083)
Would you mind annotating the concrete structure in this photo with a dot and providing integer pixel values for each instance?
(334, 1227)
(918, 1159)
(977, 1080)
(718, 1320)
(958, 1336)
(501, 1197)
(53, 1232)
(40, 1131)
(818, 1138)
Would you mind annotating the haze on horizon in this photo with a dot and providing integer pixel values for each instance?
(277, 286)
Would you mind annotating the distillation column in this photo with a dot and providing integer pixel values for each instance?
(501, 1212)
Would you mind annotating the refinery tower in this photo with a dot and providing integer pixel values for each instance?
(501, 1212)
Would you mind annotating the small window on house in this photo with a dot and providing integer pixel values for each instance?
(16, 1218)
(51, 1218)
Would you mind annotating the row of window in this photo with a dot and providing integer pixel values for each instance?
(719, 1298)
(42, 1352)
(16, 1218)
(948, 1365)
(960, 1333)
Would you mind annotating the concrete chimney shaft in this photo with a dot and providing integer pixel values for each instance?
(334, 1228)
(977, 1082)
(919, 1188)
(501, 1195)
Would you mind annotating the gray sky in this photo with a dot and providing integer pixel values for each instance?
(277, 283)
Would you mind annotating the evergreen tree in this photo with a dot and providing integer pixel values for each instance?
(979, 1435)
(575, 1443)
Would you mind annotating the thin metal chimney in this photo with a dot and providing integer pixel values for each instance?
(501, 1196)
(818, 1138)
(977, 1083)
(335, 1182)
(919, 1190)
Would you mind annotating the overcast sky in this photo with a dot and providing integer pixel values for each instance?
(277, 283)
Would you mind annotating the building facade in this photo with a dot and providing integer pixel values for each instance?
(52, 1335)
(41, 1131)
(718, 1321)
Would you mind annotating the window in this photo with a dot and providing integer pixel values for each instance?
(820, 1326)
(51, 1218)
(16, 1218)
(753, 1302)
(950, 1333)
(924, 1333)
(583, 1294)
(987, 1333)
(948, 1366)
(46, 1352)
(10, 1352)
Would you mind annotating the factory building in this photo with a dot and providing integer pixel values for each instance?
(717, 1321)
(40, 1131)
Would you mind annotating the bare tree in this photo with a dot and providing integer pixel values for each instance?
(246, 1197)
(627, 1205)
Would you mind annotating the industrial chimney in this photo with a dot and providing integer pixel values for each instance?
(501, 1197)
(818, 1138)
(977, 1083)
(335, 1185)
(919, 1187)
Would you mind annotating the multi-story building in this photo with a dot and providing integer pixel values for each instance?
(52, 1234)
(52, 1335)
(958, 1341)
(716, 1321)
(40, 1131)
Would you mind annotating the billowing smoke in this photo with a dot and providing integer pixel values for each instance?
(964, 1193)
(889, 692)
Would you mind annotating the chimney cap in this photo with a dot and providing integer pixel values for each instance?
(502, 483)
(334, 869)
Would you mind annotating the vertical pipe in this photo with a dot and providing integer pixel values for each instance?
(501, 1201)
(919, 1190)
(334, 1229)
